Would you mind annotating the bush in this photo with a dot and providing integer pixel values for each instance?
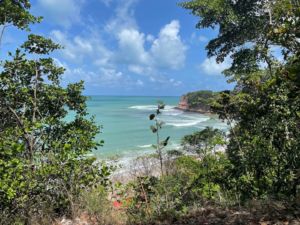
(43, 158)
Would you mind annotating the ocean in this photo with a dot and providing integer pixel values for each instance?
(126, 125)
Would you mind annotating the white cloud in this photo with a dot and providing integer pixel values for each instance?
(61, 12)
(195, 39)
(211, 67)
(123, 18)
(162, 80)
(175, 82)
(131, 47)
(136, 69)
(203, 38)
(136, 53)
(78, 48)
(168, 49)
(60, 63)
(104, 77)
(139, 83)
(109, 76)
(150, 38)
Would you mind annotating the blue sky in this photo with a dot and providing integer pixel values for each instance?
(126, 47)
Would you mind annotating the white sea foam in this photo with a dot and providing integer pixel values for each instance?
(185, 122)
(167, 111)
(144, 146)
(174, 146)
(151, 107)
(172, 112)
(174, 117)
(144, 107)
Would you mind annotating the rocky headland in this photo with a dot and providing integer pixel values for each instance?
(199, 102)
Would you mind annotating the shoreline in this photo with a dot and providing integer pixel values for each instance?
(207, 113)
(148, 165)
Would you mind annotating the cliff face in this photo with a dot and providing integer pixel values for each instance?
(183, 103)
(185, 106)
(196, 102)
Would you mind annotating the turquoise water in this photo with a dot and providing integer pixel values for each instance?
(126, 126)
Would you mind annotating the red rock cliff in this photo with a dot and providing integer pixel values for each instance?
(183, 103)
(200, 108)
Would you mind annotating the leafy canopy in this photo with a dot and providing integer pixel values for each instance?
(44, 162)
(248, 30)
(17, 13)
(263, 109)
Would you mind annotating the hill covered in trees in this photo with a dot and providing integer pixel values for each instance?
(199, 101)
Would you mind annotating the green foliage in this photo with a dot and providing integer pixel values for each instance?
(16, 12)
(155, 199)
(209, 181)
(160, 145)
(262, 110)
(204, 141)
(95, 204)
(261, 23)
(171, 196)
(190, 181)
(39, 45)
(201, 99)
(139, 208)
(208, 176)
(174, 153)
(44, 162)
(264, 144)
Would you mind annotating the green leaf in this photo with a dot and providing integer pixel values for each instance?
(153, 128)
(152, 116)
(165, 142)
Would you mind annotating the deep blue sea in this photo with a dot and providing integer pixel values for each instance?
(126, 125)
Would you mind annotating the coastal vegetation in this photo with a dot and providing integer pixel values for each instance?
(43, 158)
(250, 175)
(198, 101)
(263, 108)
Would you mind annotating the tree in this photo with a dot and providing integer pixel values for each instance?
(44, 162)
(264, 143)
(43, 157)
(204, 142)
(15, 13)
(263, 107)
(201, 99)
(248, 31)
(212, 162)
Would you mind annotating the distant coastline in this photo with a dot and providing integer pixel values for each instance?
(198, 102)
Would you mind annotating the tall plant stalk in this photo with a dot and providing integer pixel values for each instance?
(160, 145)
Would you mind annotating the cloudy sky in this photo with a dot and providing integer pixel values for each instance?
(127, 47)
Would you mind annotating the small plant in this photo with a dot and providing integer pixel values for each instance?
(160, 145)
(96, 208)
(204, 143)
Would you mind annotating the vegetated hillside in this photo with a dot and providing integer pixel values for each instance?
(199, 101)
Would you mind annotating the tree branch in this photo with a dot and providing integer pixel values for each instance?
(26, 134)
(2, 31)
